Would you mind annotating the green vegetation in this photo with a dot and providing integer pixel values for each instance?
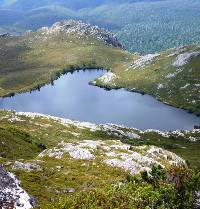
(65, 181)
(36, 147)
(30, 61)
(16, 144)
(176, 86)
(153, 190)
(144, 26)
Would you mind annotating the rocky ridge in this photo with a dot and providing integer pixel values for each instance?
(80, 29)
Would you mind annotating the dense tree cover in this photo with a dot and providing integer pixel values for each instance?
(73, 4)
(142, 26)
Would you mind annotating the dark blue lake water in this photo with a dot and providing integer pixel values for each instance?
(72, 97)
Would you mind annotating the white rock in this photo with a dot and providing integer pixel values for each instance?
(117, 154)
(184, 58)
(160, 86)
(79, 28)
(143, 61)
(12, 193)
(108, 128)
(107, 78)
(186, 85)
(82, 154)
(177, 51)
(174, 74)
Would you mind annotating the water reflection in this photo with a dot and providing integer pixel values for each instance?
(72, 97)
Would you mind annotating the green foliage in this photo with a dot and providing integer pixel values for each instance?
(95, 184)
(157, 174)
(186, 183)
(153, 190)
(142, 26)
(16, 144)
(28, 65)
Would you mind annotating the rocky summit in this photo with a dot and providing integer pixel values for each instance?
(80, 29)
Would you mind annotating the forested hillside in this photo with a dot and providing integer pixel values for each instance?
(142, 26)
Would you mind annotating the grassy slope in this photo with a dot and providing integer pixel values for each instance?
(24, 138)
(174, 91)
(29, 61)
(25, 64)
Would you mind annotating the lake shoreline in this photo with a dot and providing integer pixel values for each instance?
(58, 74)
(136, 111)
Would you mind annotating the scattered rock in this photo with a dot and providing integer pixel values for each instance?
(117, 154)
(143, 61)
(186, 85)
(160, 86)
(26, 166)
(111, 129)
(197, 201)
(174, 74)
(70, 190)
(82, 154)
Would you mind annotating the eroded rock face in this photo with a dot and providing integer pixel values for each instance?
(11, 194)
(80, 28)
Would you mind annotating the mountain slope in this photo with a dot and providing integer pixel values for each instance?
(79, 158)
(172, 77)
(142, 26)
(34, 59)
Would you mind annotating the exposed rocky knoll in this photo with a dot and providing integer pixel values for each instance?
(81, 29)
(184, 58)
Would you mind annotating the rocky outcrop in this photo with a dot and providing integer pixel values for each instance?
(143, 61)
(115, 154)
(111, 129)
(107, 78)
(184, 58)
(81, 29)
(26, 166)
(11, 194)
